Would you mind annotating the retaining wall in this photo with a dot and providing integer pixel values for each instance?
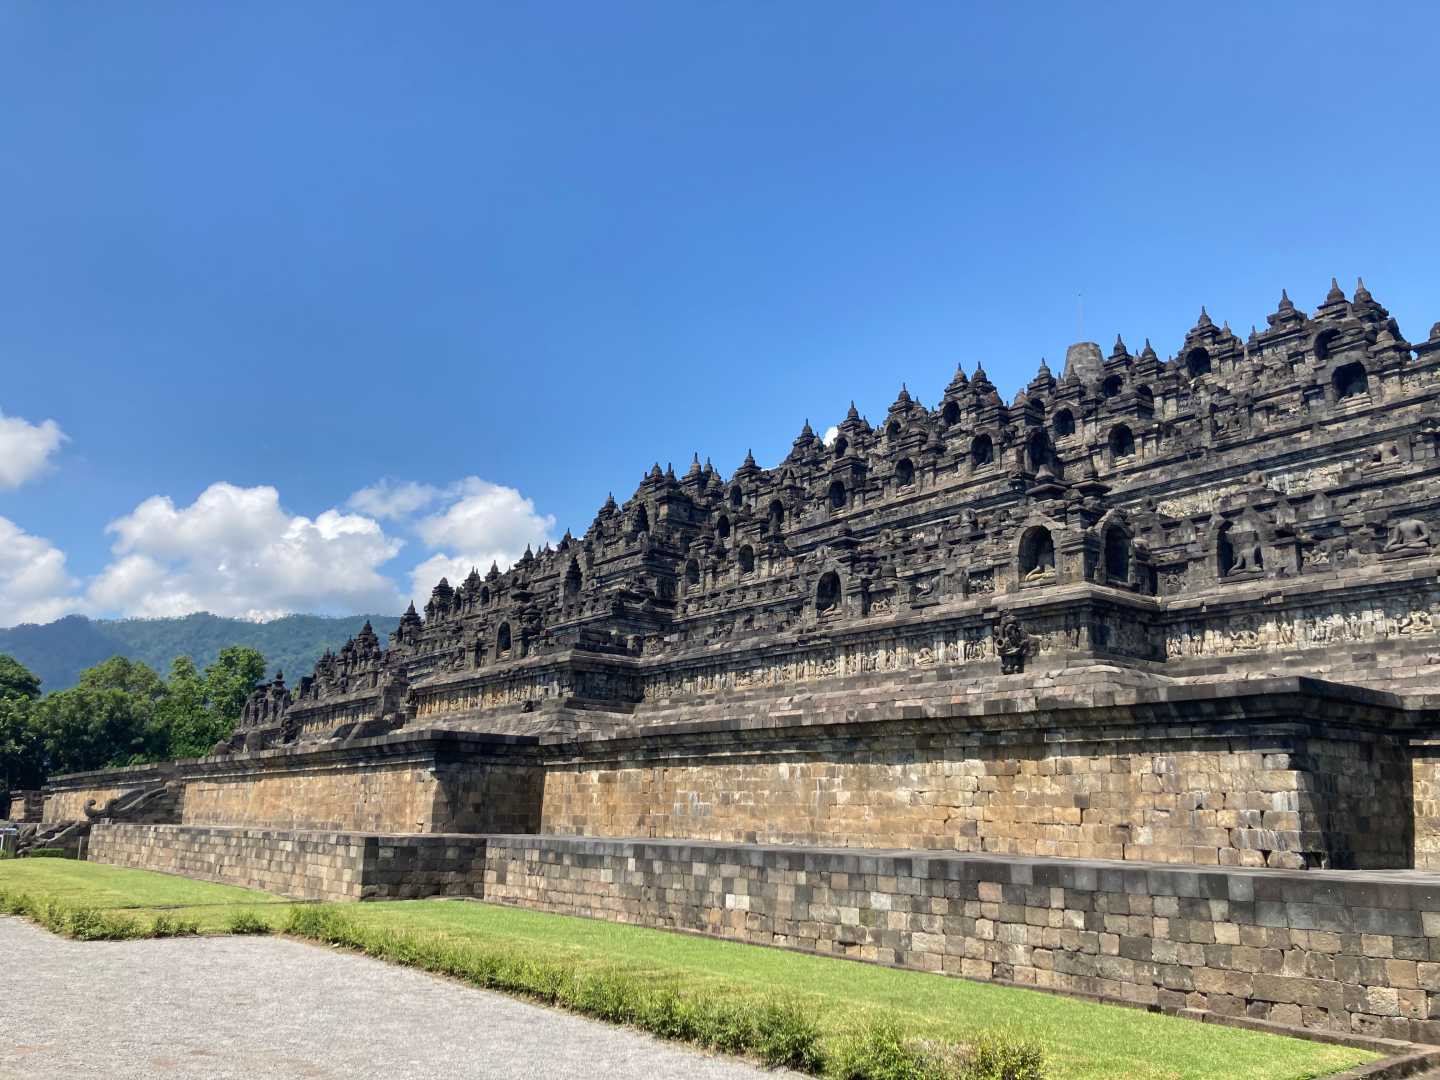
(1348, 951)
(305, 865)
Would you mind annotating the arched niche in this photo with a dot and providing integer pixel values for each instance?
(827, 593)
(747, 559)
(737, 497)
(951, 413)
(1037, 553)
(982, 451)
(776, 515)
(1122, 442)
(502, 640)
(722, 527)
(1351, 380)
(692, 573)
(1111, 386)
(1197, 362)
(904, 472)
(1063, 424)
(1037, 450)
(1117, 555)
(836, 495)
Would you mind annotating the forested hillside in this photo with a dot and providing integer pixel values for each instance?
(59, 651)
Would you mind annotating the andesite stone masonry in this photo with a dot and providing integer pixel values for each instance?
(1128, 686)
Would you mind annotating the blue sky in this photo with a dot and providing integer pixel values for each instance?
(259, 258)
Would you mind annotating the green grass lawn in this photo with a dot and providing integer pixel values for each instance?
(1082, 1040)
(138, 893)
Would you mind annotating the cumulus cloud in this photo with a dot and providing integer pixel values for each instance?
(34, 585)
(830, 435)
(483, 523)
(388, 500)
(235, 551)
(25, 449)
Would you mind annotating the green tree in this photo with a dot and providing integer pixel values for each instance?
(109, 719)
(183, 712)
(230, 680)
(21, 749)
(121, 713)
(16, 681)
(200, 710)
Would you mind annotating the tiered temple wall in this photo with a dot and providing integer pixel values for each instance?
(1141, 670)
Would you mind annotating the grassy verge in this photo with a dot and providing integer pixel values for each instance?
(820, 1014)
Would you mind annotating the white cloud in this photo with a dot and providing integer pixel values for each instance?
(234, 551)
(34, 586)
(25, 449)
(387, 500)
(830, 435)
(484, 523)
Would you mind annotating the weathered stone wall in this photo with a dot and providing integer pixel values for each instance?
(1344, 951)
(1261, 773)
(26, 805)
(305, 865)
(1425, 791)
(66, 796)
(383, 799)
(419, 782)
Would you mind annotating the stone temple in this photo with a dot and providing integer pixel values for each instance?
(1100, 689)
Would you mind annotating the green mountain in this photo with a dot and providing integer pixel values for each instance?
(60, 650)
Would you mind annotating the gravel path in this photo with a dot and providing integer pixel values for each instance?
(274, 1007)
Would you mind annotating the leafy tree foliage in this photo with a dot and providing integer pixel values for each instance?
(200, 710)
(20, 748)
(109, 719)
(16, 682)
(121, 713)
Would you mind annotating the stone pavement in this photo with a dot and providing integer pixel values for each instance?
(274, 1007)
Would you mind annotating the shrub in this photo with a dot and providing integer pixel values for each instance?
(45, 853)
(247, 922)
(88, 924)
(881, 1052)
(169, 926)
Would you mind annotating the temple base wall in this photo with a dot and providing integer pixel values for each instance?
(1353, 951)
(1218, 801)
(65, 796)
(420, 782)
(1345, 951)
(305, 865)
